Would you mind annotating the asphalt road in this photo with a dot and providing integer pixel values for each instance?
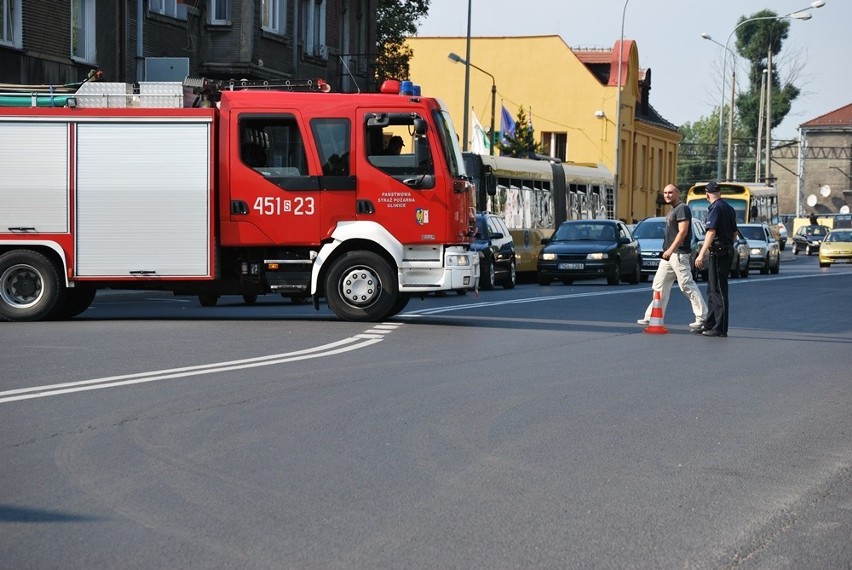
(532, 428)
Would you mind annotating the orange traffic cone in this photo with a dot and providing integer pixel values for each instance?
(656, 324)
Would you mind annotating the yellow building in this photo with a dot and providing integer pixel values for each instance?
(571, 96)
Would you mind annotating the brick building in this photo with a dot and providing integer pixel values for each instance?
(817, 169)
(58, 42)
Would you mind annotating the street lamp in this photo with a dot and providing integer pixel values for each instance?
(457, 59)
(707, 36)
(616, 177)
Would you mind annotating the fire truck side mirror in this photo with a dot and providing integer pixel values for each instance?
(489, 180)
(421, 154)
(490, 184)
(420, 126)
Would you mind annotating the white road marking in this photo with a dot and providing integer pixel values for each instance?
(345, 345)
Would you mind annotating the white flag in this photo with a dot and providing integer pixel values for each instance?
(479, 140)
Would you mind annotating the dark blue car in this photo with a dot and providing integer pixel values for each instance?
(589, 249)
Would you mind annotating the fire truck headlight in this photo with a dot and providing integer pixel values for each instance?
(455, 260)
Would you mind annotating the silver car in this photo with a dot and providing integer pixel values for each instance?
(764, 251)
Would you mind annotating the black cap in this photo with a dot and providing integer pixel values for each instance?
(712, 187)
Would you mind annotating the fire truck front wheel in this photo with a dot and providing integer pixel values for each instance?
(361, 286)
(30, 286)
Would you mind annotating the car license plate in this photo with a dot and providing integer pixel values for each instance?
(651, 263)
(570, 266)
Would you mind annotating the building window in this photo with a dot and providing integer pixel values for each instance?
(170, 8)
(83, 30)
(274, 16)
(555, 145)
(10, 23)
(220, 12)
(313, 28)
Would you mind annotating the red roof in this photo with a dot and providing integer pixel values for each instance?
(841, 117)
(624, 47)
(589, 56)
(598, 56)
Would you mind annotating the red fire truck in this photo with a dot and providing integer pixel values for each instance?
(208, 188)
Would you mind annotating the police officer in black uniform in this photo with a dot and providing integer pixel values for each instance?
(719, 240)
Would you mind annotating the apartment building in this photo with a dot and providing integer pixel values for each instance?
(61, 41)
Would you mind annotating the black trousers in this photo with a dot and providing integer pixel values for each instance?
(717, 292)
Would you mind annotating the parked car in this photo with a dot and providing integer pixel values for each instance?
(496, 252)
(808, 238)
(764, 250)
(650, 234)
(589, 249)
(836, 248)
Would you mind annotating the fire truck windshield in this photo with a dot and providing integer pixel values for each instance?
(450, 143)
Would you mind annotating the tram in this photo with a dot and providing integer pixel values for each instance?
(534, 195)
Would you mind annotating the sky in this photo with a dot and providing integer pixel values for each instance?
(687, 70)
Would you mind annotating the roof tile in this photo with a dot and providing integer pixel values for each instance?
(841, 117)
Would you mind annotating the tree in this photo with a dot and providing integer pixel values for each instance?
(396, 20)
(756, 35)
(523, 142)
(703, 131)
(697, 155)
(755, 39)
(699, 147)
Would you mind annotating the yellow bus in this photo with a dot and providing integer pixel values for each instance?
(535, 195)
(753, 203)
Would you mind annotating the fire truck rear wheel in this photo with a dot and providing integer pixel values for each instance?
(30, 286)
(361, 286)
